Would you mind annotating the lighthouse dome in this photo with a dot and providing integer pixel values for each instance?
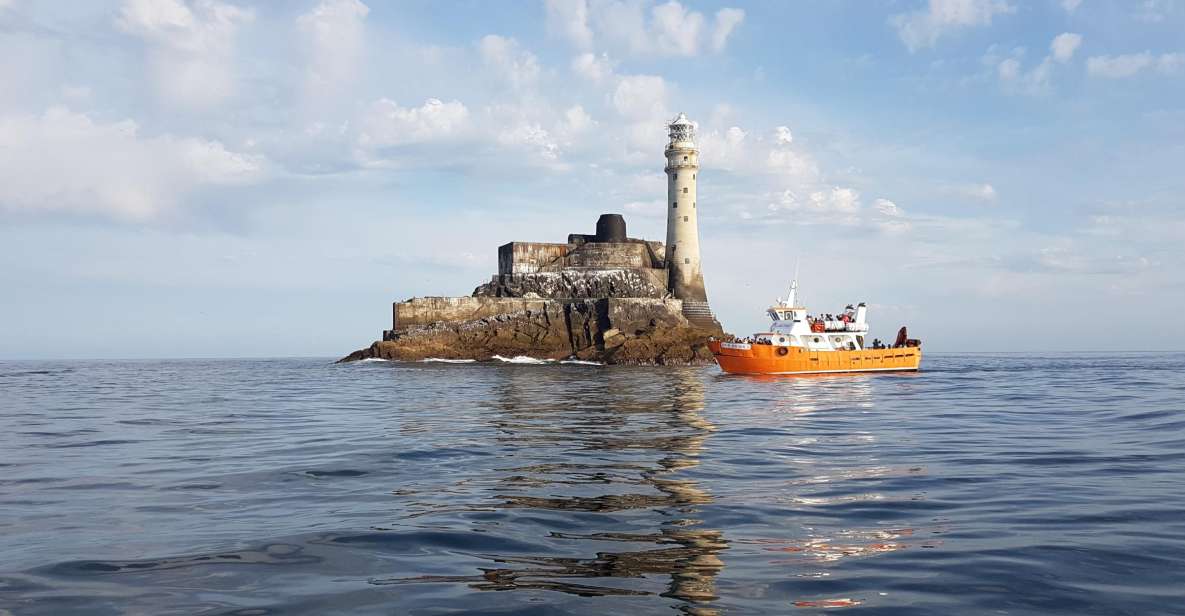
(682, 131)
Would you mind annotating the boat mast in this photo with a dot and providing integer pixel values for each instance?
(792, 299)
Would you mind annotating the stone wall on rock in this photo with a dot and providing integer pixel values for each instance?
(422, 311)
(579, 283)
(531, 257)
(631, 255)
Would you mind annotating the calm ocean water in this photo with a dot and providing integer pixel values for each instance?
(987, 484)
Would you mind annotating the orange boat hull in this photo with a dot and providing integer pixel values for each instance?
(770, 359)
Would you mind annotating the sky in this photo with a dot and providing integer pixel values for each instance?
(213, 178)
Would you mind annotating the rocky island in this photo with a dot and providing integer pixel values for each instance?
(604, 297)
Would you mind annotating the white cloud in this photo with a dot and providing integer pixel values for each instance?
(923, 28)
(892, 219)
(983, 192)
(735, 135)
(783, 136)
(511, 133)
(1127, 65)
(592, 67)
(190, 51)
(842, 200)
(780, 173)
(641, 97)
(792, 164)
(578, 120)
(675, 30)
(1170, 62)
(76, 93)
(1071, 5)
(569, 18)
(1155, 11)
(669, 29)
(335, 32)
(1036, 80)
(726, 21)
(772, 154)
(1009, 69)
(533, 137)
(518, 67)
(71, 163)
(835, 204)
(387, 124)
(1064, 45)
(887, 208)
(1115, 67)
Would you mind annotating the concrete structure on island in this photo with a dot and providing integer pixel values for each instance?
(605, 265)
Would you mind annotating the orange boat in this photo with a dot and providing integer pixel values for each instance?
(798, 343)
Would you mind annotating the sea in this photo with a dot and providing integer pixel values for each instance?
(984, 484)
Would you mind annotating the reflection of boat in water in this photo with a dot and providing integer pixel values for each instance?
(798, 343)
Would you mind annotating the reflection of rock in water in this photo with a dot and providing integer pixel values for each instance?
(606, 430)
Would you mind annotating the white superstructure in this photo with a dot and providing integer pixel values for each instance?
(793, 327)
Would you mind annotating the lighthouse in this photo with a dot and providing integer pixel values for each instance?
(685, 276)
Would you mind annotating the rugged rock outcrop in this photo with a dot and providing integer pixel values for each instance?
(612, 331)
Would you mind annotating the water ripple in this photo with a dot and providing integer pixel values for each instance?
(985, 484)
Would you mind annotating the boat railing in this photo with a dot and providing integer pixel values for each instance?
(841, 326)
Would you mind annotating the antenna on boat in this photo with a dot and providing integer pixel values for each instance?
(792, 299)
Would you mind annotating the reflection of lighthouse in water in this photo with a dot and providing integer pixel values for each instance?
(599, 459)
(695, 577)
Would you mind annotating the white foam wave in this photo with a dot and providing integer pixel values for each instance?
(581, 362)
(442, 360)
(372, 359)
(522, 359)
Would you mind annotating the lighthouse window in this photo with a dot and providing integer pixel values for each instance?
(689, 261)
(684, 219)
(676, 176)
(693, 204)
(684, 158)
(693, 176)
(674, 204)
(685, 190)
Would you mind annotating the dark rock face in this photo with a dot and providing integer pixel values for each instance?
(577, 283)
(634, 331)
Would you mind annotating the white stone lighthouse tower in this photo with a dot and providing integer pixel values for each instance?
(685, 278)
